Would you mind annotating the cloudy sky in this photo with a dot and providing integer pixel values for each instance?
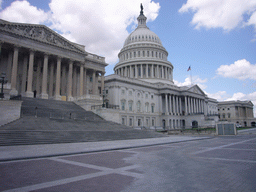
(217, 38)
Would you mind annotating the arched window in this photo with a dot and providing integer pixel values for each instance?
(147, 107)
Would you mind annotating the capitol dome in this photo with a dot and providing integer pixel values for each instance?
(143, 56)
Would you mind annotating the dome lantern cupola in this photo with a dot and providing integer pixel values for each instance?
(142, 20)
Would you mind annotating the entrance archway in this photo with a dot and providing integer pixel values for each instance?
(194, 124)
(253, 124)
(163, 124)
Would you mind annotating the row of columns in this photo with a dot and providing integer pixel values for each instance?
(151, 70)
(173, 105)
(143, 54)
(27, 76)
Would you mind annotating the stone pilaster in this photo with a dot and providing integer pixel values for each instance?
(102, 83)
(166, 105)
(94, 82)
(51, 79)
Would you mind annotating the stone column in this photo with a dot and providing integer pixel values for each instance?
(166, 73)
(189, 105)
(102, 83)
(186, 107)
(24, 75)
(146, 70)
(177, 105)
(166, 105)
(51, 79)
(63, 89)
(74, 85)
(130, 72)
(93, 82)
(160, 104)
(162, 77)
(180, 106)
(194, 105)
(170, 103)
(141, 71)
(70, 74)
(38, 76)
(152, 71)
(9, 67)
(29, 92)
(44, 94)
(58, 74)
(14, 91)
(136, 71)
(122, 72)
(174, 105)
(85, 81)
(157, 71)
(81, 89)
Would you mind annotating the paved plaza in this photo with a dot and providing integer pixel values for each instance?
(203, 164)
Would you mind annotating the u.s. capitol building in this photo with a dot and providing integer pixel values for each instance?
(143, 88)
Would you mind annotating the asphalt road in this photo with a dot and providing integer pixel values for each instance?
(218, 164)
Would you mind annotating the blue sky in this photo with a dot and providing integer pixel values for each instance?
(217, 38)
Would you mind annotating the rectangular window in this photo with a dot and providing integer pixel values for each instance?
(130, 122)
(123, 121)
(123, 105)
(152, 109)
(130, 106)
(153, 122)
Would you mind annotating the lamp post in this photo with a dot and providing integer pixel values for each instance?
(2, 81)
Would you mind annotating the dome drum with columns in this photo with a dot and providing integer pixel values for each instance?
(144, 57)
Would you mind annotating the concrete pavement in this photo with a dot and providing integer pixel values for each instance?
(8, 153)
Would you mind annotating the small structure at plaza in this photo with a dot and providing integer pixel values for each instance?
(38, 60)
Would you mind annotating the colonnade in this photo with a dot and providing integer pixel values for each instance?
(181, 105)
(51, 76)
(146, 71)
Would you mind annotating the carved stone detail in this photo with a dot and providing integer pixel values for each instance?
(40, 33)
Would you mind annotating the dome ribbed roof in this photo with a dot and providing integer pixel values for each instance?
(142, 35)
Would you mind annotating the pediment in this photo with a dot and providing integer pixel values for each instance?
(39, 33)
(196, 89)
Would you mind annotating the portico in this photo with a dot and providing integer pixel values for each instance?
(41, 63)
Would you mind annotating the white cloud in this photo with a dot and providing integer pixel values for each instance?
(241, 69)
(100, 25)
(226, 14)
(195, 80)
(23, 12)
(220, 95)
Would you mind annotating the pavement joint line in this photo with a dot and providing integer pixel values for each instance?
(102, 172)
(98, 150)
(222, 146)
(223, 159)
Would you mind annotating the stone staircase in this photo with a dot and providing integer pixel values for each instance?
(49, 121)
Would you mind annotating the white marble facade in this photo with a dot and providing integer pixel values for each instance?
(143, 87)
(37, 59)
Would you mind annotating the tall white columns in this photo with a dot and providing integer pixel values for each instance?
(166, 105)
(152, 71)
(57, 85)
(14, 91)
(136, 71)
(174, 105)
(70, 73)
(44, 94)
(180, 105)
(186, 107)
(170, 103)
(94, 82)
(29, 92)
(81, 90)
(85, 81)
(24, 75)
(51, 79)
(38, 76)
(102, 83)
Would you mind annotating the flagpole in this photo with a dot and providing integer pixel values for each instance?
(191, 75)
